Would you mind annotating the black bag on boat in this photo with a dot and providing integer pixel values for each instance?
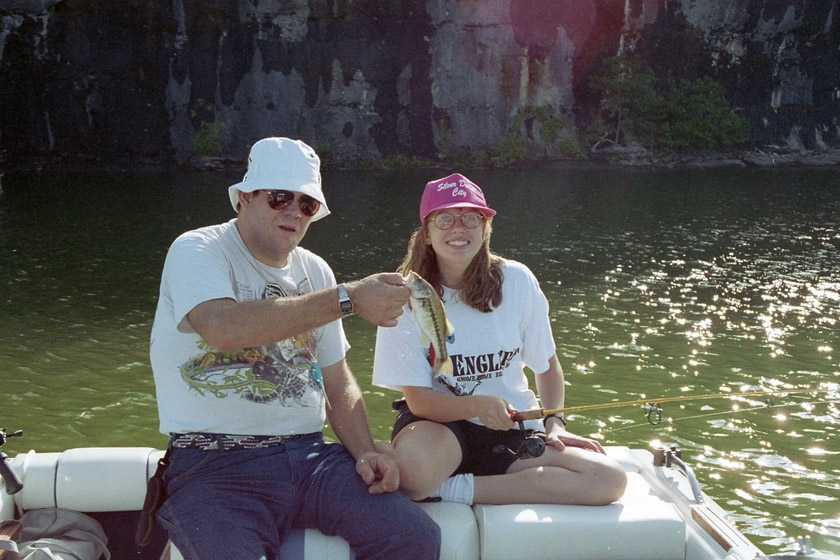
(155, 496)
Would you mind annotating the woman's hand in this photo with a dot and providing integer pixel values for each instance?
(494, 412)
(557, 437)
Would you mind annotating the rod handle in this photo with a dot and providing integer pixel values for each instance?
(13, 482)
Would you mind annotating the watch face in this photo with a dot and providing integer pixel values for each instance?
(345, 304)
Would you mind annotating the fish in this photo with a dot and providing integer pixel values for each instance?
(430, 315)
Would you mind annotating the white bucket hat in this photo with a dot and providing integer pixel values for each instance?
(284, 164)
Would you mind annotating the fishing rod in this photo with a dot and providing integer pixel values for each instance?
(654, 421)
(653, 407)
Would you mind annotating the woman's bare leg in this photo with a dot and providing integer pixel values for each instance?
(573, 476)
(426, 453)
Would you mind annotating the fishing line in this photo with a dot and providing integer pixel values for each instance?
(653, 408)
(673, 420)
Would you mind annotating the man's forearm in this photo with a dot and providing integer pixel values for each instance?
(346, 410)
(226, 324)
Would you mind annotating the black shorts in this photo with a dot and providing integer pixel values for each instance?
(481, 453)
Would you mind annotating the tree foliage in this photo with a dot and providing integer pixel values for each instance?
(694, 114)
(699, 117)
(208, 138)
(629, 102)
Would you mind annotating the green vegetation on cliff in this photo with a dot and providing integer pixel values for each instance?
(687, 115)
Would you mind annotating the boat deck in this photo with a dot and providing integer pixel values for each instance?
(658, 518)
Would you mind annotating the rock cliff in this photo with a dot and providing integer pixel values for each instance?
(160, 80)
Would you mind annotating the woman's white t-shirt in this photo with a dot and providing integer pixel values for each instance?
(490, 350)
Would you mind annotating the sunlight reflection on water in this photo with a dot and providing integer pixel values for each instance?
(660, 284)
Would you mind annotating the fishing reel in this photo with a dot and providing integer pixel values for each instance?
(530, 444)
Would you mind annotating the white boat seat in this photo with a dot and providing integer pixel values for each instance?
(89, 479)
(641, 525)
(114, 479)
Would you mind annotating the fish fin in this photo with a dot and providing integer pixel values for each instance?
(445, 368)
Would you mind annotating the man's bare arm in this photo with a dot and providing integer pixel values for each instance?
(226, 324)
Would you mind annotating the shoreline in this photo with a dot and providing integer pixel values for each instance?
(767, 157)
(640, 158)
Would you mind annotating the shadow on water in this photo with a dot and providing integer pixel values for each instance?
(660, 283)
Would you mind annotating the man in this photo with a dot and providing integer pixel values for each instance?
(248, 356)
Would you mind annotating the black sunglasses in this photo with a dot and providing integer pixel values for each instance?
(279, 199)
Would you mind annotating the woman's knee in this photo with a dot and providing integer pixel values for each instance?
(619, 477)
(417, 479)
(424, 464)
(411, 468)
(611, 482)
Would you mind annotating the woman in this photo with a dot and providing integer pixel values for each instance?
(462, 423)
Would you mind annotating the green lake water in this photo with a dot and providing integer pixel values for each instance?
(661, 284)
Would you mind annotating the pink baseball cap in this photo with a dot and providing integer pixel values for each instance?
(454, 191)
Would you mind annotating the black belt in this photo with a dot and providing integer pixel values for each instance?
(227, 442)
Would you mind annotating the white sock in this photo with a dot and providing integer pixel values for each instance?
(458, 489)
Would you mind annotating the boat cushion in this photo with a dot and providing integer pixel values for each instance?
(114, 479)
(639, 526)
(88, 479)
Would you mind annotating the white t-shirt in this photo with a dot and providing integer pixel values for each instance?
(271, 390)
(490, 350)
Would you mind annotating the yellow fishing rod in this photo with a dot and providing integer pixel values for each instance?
(653, 407)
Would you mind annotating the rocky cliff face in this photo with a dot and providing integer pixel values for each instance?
(98, 80)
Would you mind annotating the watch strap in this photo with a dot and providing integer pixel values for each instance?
(345, 304)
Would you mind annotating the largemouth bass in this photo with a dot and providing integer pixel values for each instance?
(435, 328)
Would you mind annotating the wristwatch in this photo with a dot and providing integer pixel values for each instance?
(344, 301)
(558, 416)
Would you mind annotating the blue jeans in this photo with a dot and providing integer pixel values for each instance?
(224, 505)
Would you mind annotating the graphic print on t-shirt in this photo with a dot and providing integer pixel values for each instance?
(285, 372)
(470, 371)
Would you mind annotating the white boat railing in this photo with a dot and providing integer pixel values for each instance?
(672, 456)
